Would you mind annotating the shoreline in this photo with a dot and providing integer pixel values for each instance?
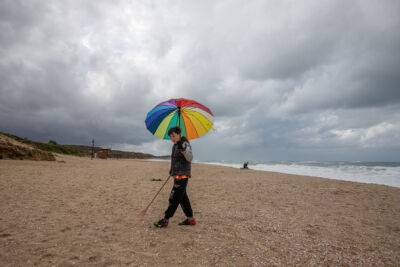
(373, 178)
(331, 177)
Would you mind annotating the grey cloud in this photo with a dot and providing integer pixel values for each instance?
(285, 80)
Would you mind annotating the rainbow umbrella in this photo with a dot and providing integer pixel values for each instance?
(193, 118)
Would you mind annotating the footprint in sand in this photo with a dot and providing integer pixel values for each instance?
(94, 258)
(65, 229)
(47, 256)
(4, 235)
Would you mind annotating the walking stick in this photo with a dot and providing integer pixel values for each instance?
(145, 210)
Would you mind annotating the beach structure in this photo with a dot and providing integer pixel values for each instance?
(103, 153)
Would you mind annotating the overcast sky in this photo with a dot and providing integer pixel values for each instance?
(286, 80)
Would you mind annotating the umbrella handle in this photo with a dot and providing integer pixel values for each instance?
(145, 210)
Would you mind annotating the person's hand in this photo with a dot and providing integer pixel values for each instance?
(180, 144)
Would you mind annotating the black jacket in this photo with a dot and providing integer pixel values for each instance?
(181, 159)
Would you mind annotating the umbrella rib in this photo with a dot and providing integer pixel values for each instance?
(193, 127)
(191, 116)
(204, 116)
(162, 116)
(204, 113)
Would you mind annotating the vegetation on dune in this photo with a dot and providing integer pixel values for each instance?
(51, 146)
(39, 148)
(12, 147)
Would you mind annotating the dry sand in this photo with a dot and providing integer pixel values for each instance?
(84, 212)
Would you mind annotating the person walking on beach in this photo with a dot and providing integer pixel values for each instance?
(181, 159)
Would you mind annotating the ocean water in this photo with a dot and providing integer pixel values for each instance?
(386, 173)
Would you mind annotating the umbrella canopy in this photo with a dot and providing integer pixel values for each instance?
(193, 118)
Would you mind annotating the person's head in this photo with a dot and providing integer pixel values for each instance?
(175, 134)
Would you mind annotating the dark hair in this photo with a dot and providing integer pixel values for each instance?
(176, 130)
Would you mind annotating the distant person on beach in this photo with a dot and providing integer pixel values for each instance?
(245, 165)
(181, 159)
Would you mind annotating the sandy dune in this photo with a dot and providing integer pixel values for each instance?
(78, 211)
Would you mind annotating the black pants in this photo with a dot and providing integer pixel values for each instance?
(179, 196)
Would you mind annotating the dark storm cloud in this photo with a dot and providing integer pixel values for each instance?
(286, 80)
(49, 81)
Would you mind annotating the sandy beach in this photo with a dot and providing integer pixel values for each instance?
(77, 211)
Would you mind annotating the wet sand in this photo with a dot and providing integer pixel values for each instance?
(77, 211)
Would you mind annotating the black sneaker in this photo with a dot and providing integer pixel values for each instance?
(188, 222)
(161, 223)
